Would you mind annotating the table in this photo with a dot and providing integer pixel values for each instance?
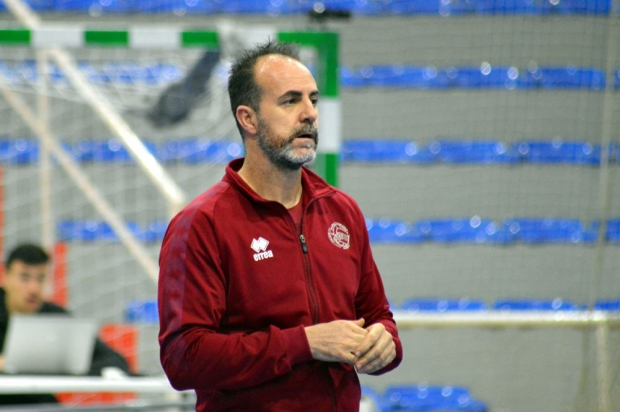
(53, 384)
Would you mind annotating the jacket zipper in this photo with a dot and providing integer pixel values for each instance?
(332, 393)
(313, 300)
(315, 306)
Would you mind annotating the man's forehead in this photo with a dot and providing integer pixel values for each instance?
(278, 70)
(23, 267)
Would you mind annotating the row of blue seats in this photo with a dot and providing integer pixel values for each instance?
(476, 152)
(116, 72)
(145, 311)
(94, 230)
(476, 230)
(483, 77)
(23, 151)
(468, 305)
(396, 76)
(356, 7)
(427, 398)
(469, 230)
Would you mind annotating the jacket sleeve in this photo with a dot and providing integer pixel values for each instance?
(371, 302)
(192, 302)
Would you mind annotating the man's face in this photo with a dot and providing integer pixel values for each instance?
(288, 119)
(24, 285)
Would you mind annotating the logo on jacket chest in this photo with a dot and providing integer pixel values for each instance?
(339, 235)
(260, 247)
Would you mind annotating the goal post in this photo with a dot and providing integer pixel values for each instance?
(325, 44)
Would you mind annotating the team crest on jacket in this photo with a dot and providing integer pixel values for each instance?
(260, 247)
(339, 235)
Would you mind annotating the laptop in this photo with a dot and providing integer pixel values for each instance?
(49, 344)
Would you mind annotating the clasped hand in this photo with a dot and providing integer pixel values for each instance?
(369, 349)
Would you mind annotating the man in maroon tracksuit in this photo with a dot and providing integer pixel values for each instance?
(269, 297)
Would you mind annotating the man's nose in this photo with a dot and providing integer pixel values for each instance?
(309, 112)
(35, 285)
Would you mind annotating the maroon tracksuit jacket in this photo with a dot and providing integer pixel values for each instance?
(238, 283)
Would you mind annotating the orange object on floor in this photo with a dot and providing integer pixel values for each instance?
(122, 338)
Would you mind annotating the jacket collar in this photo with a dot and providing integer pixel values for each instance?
(313, 186)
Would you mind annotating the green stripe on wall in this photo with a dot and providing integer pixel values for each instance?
(106, 38)
(199, 39)
(8, 37)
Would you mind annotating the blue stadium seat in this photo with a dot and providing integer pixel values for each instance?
(163, 73)
(610, 305)
(443, 305)
(432, 398)
(20, 151)
(104, 151)
(93, 75)
(250, 7)
(143, 311)
(613, 230)
(36, 5)
(531, 304)
(91, 230)
(559, 152)
(355, 7)
(563, 78)
(20, 72)
(154, 232)
(195, 150)
(179, 7)
(467, 230)
(546, 230)
(392, 151)
(131, 73)
(70, 230)
(79, 6)
(380, 404)
(444, 8)
(501, 7)
(587, 7)
(395, 76)
(481, 152)
(387, 231)
(612, 234)
(354, 77)
(483, 77)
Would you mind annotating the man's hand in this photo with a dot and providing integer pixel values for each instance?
(335, 341)
(376, 351)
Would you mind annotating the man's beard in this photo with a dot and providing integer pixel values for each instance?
(280, 152)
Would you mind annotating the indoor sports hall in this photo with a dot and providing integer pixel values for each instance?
(480, 138)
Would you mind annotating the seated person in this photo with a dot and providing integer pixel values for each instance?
(24, 281)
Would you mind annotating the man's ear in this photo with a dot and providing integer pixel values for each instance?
(246, 116)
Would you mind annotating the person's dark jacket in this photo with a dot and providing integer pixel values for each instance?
(103, 355)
